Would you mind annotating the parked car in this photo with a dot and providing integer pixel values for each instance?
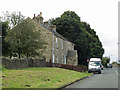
(109, 65)
(94, 65)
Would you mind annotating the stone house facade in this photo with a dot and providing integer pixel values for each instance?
(58, 48)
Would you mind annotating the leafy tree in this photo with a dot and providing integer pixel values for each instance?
(5, 45)
(114, 62)
(25, 39)
(105, 60)
(86, 41)
(9, 20)
(13, 18)
(96, 49)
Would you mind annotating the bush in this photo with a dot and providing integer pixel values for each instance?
(3, 68)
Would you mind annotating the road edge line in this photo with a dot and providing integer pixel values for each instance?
(74, 82)
(116, 72)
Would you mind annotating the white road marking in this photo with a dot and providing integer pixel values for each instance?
(116, 72)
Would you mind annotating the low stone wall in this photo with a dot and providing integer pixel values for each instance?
(36, 63)
(15, 63)
(23, 63)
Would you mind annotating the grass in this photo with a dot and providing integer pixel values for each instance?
(42, 77)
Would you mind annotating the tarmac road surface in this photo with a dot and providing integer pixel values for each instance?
(107, 79)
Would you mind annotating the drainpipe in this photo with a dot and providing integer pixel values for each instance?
(53, 48)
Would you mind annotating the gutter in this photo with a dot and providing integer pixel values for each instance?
(63, 87)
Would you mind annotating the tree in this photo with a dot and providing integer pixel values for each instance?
(9, 20)
(26, 39)
(105, 60)
(13, 18)
(5, 45)
(86, 41)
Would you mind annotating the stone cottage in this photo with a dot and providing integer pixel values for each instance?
(58, 48)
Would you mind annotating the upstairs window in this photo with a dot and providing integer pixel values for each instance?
(62, 44)
(56, 42)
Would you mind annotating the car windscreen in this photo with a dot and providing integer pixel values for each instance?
(94, 63)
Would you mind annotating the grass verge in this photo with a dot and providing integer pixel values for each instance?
(42, 77)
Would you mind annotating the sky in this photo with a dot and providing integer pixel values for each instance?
(102, 15)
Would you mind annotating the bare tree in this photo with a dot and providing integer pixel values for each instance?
(14, 18)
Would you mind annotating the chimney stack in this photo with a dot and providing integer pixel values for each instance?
(40, 14)
(46, 23)
(52, 27)
(34, 16)
(38, 18)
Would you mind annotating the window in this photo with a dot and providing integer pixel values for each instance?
(53, 58)
(65, 60)
(94, 63)
(62, 60)
(56, 42)
(69, 46)
(62, 44)
(57, 59)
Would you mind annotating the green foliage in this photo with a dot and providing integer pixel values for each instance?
(25, 39)
(85, 39)
(105, 60)
(3, 68)
(14, 18)
(5, 45)
(114, 62)
(8, 21)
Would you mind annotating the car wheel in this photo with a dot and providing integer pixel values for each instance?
(99, 72)
(89, 72)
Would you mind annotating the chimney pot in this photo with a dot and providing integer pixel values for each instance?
(41, 14)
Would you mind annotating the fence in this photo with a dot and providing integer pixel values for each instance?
(70, 67)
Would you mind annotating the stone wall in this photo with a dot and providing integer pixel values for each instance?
(15, 63)
(23, 63)
(47, 35)
(36, 63)
(72, 57)
(57, 46)
(61, 47)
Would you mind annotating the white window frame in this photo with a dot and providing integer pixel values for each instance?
(65, 59)
(56, 42)
(62, 59)
(62, 44)
(57, 58)
(53, 55)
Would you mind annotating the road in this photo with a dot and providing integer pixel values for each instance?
(108, 79)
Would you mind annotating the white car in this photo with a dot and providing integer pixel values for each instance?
(109, 65)
(94, 65)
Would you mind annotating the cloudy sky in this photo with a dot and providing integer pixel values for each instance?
(102, 15)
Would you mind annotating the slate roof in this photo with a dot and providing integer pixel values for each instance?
(55, 33)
